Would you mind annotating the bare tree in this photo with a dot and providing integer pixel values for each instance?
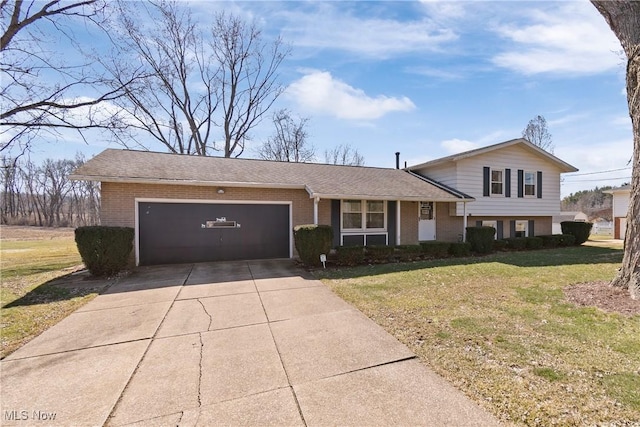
(174, 100)
(289, 140)
(624, 19)
(248, 81)
(344, 154)
(201, 92)
(31, 103)
(538, 134)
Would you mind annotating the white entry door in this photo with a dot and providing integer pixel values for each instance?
(427, 222)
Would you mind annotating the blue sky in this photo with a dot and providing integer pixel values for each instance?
(432, 78)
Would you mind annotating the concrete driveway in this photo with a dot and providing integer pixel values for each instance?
(235, 343)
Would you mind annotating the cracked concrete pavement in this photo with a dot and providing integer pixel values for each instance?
(235, 343)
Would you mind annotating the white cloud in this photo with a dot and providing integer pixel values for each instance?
(572, 38)
(329, 27)
(455, 145)
(320, 92)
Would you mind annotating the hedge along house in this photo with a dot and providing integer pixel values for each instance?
(516, 186)
(193, 209)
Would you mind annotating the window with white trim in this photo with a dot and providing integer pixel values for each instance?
(497, 182)
(522, 229)
(530, 184)
(363, 215)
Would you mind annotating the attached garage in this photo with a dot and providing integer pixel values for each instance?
(171, 232)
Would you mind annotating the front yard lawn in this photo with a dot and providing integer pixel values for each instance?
(37, 291)
(501, 329)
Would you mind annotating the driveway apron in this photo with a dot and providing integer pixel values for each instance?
(234, 343)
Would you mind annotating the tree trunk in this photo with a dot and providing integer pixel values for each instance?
(623, 16)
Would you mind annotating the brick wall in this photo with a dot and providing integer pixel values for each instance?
(118, 200)
(408, 223)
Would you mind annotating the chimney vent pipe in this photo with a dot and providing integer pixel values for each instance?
(397, 160)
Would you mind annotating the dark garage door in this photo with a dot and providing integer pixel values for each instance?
(197, 232)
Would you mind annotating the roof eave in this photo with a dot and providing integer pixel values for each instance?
(199, 183)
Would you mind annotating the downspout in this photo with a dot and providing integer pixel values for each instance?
(316, 200)
(398, 222)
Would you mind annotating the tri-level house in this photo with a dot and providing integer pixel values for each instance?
(515, 184)
(191, 209)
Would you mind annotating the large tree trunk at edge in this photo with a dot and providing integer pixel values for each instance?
(623, 16)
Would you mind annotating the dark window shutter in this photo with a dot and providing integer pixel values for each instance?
(539, 185)
(520, 183)
(391, 222)
(512, 228)
(486, 180)
(499, 230)
(531, 229)
(335, 221)
(507, 183)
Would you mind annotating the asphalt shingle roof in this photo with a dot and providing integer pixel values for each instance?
(324, 181)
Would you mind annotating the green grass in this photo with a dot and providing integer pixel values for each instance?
(499, 328)
(31, 299)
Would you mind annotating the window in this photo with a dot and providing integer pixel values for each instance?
(497, 182)
(530, 184)
(361, 214)
(352, 214)
(521, 228)
(375, 214)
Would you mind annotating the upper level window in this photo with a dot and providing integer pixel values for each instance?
(363, 214)
(497, 181)
(529, 183)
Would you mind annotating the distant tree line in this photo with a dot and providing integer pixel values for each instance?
(595, 203)
(43, 195)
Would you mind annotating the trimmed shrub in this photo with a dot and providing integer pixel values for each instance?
(481, 239)
(516, 243)
(311, 241)
(551, 241)
(580, 230)
(460, 249)
(104, 250)
(435, 249)
(533, 242)
(500, 245)
(567, 239)
(379, 253)
(408, 252)
(350, 255)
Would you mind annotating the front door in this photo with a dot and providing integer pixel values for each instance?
(427, 222)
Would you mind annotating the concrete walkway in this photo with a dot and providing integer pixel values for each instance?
(237, 343)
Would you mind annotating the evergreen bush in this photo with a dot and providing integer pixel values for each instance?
(350, 255)
(435, 249)
(379, 253)
(460, 249)
(481, 239)
(580, 230)
(311, 241)
(104, 250)
(408, 252)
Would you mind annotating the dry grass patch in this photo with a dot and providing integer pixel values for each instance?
(500, 329)
(38, 289)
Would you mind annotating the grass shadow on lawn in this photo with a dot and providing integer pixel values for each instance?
(574, 255)
(59, 289)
